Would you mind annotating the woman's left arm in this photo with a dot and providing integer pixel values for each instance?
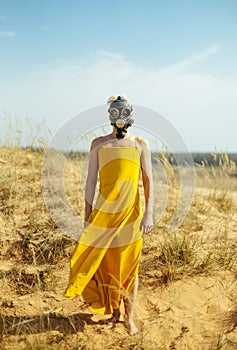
(147, 179)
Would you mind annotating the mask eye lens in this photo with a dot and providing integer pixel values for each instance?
(126, 112)
(114, 113)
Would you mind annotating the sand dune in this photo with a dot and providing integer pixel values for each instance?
(185, 301)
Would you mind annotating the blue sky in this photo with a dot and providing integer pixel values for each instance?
(60, 57)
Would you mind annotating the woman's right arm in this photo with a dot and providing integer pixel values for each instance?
(91, 177)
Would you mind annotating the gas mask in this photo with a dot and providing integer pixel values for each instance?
(120, 115)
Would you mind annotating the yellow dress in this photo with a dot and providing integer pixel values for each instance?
(105, 262)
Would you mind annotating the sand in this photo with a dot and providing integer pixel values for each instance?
(196, 310)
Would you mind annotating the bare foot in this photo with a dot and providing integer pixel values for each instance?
(111, 322)
(131, 326)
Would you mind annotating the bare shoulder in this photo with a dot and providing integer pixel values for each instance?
(97, 142)
(143, 144)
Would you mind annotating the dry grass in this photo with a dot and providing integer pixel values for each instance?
(172, 258)
(222, 200)
(7, 193)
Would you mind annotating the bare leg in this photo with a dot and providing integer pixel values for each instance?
(116, 315)
(129, 305)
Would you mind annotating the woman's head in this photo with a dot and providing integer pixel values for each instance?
(120, 114)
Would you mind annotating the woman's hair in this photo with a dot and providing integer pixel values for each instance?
(115, 98)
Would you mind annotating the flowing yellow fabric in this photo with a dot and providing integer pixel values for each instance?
(106, 259)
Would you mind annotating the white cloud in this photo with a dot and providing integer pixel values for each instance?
(202, 107)
(204, 55)
(2, 18)
(196, 57)
(7, 34)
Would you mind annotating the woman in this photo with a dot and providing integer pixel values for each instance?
(104, 265)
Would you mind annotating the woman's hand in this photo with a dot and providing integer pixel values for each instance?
(146, 224)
